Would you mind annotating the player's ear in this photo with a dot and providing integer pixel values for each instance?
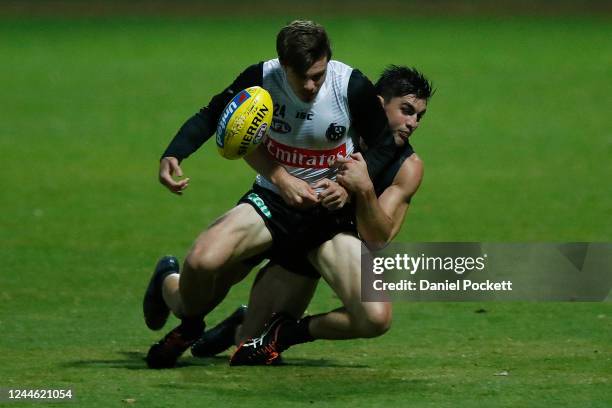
(382, 100)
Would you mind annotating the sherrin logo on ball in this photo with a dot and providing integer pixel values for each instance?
(244, 122)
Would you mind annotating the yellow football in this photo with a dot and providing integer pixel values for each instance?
(244, 122)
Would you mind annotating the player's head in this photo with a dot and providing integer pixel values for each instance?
(404, 93)
(303, 50)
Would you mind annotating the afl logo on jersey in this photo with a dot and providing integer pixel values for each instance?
(335, 132)
(280, 126)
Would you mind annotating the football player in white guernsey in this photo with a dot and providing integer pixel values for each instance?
(321, 103)
(380, 210)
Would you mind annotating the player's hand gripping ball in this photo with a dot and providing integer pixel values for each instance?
(244, 123)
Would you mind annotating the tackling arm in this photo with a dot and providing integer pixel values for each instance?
(379, 219)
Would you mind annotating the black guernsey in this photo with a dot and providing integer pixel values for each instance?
(387, 175)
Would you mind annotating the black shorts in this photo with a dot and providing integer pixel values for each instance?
(296, 232)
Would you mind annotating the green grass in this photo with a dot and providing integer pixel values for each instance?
(516, 144)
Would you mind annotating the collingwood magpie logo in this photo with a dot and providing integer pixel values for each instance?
(335, 132)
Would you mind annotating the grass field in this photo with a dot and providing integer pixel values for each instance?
(517, 147)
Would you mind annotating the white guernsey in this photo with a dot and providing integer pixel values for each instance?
(308, 137)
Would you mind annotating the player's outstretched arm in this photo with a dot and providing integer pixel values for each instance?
(188, 139)
(200, 127)
(169, 168)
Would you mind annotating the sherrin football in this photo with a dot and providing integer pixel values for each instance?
(244, 122)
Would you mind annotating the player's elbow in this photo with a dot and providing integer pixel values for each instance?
(376, 235)
(376, 244)
(377, 240)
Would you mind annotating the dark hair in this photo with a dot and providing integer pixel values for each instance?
(301, 43)
(400, 80)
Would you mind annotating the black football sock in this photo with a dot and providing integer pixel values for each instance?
(192, 327)
(295, 332)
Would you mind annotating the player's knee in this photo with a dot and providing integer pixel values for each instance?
(376, 321)
(204, 260)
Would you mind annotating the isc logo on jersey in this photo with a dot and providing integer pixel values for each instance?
(244, 122)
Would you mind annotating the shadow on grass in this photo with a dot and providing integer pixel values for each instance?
(133, 360)
(223, 360)
(319, 362)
